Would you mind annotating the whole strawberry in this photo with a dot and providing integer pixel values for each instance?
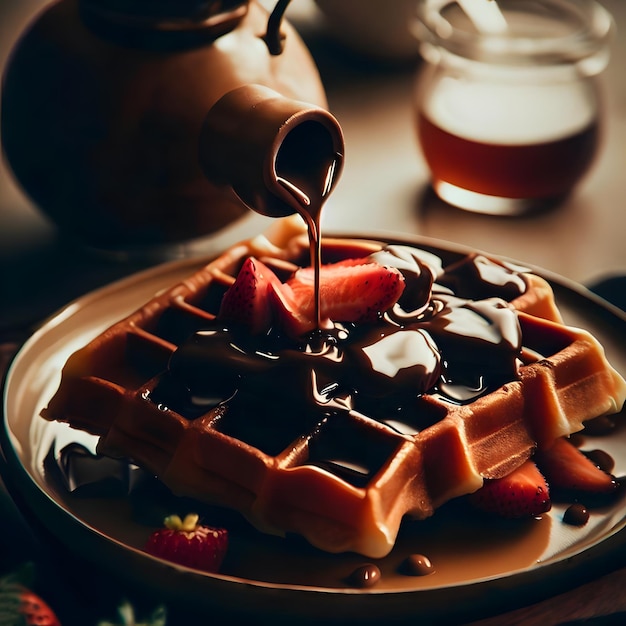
(19, 606)
(185, 542)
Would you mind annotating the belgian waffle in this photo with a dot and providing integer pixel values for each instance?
(295, 485)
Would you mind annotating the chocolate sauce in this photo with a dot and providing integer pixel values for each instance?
(451, 333)
(602, 459)
(477, 277)
(308, 176)
(365, 576)
(576, 515)
(85, 474)
(432, 342)
(417, 565)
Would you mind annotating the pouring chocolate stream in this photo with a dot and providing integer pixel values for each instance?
(280, 156)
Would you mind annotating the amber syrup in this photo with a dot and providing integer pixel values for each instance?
(536, 170)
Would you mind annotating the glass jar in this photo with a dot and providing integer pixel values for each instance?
(508, 105)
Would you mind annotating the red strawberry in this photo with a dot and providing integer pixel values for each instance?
(350, 291)
(522, 493)
(187, 543)
(569, 469)
(20, 606)
(292, 318)
(246, 300)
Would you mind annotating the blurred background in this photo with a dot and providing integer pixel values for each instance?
(368, 60)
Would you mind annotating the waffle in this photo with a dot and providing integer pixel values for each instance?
(342, 479)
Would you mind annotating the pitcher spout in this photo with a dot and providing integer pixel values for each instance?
(277, 154)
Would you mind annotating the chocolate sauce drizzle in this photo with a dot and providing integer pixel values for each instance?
(308, 176)
(431, 342)
(437, 339)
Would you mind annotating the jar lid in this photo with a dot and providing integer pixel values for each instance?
(517, 32)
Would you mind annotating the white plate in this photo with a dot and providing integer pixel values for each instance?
(478, 570)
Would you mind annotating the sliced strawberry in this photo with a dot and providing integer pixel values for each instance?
(350, 291)
(246, 300)
(291, 317)
(569, 469)
(522, 493)
(187, 543)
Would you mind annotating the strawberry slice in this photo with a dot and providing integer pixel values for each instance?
(290, 315)
(246, 300)
(188, 543)
(522, 493)
(350, 291)
(570, 470)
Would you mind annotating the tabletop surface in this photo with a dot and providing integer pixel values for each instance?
(384, 189)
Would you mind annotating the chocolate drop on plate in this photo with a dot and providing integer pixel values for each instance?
(417, 565)
(576, 515)
(602, 459)
(365, 576)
